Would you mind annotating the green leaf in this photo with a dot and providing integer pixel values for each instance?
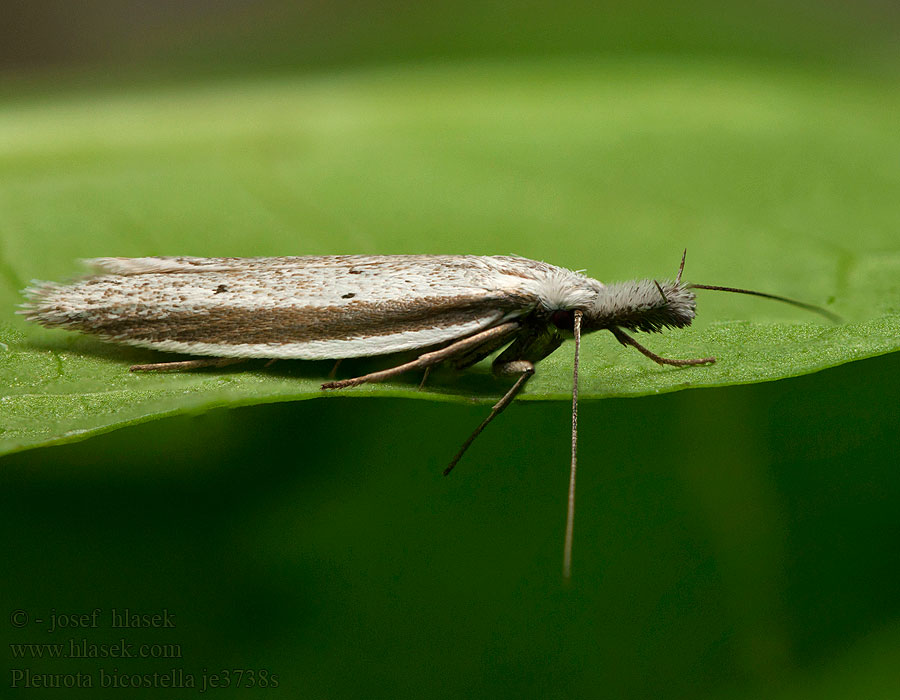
(784, 183)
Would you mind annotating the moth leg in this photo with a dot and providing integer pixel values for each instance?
(179, 365)
(429, 359)
(626, 339)
(333, 372)
(527, 371)
(474, 355)
(479, 352)
(425, 377)
(531, 345)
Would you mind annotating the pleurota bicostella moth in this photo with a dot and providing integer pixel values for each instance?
(456, 309)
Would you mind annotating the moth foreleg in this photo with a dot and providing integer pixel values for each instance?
(429, 359)
(179, 365)
(626, 339)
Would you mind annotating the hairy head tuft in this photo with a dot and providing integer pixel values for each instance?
(642, 305)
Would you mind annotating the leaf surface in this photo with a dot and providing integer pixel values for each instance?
(783, 182)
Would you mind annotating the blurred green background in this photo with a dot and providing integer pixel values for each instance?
(735, 542)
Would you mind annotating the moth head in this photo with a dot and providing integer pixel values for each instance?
(638, 305)
(652, 306)
(641, 305)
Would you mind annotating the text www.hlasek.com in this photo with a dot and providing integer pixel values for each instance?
(83, 649)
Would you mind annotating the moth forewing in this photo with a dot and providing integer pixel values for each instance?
(288, 308)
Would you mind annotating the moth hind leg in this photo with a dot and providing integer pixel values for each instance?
(472, 356)
(456, 349)
(478, 353)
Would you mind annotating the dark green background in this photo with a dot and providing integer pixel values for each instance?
(730, 543)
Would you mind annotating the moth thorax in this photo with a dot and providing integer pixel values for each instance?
(642, 305)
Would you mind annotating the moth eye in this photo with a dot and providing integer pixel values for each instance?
(563, 319)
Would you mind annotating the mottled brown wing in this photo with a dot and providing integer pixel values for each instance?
(314, 307)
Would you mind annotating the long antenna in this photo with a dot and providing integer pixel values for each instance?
(570, 513)
(803, 305)
(681, 267)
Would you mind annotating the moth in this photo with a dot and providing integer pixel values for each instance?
(454, 309)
